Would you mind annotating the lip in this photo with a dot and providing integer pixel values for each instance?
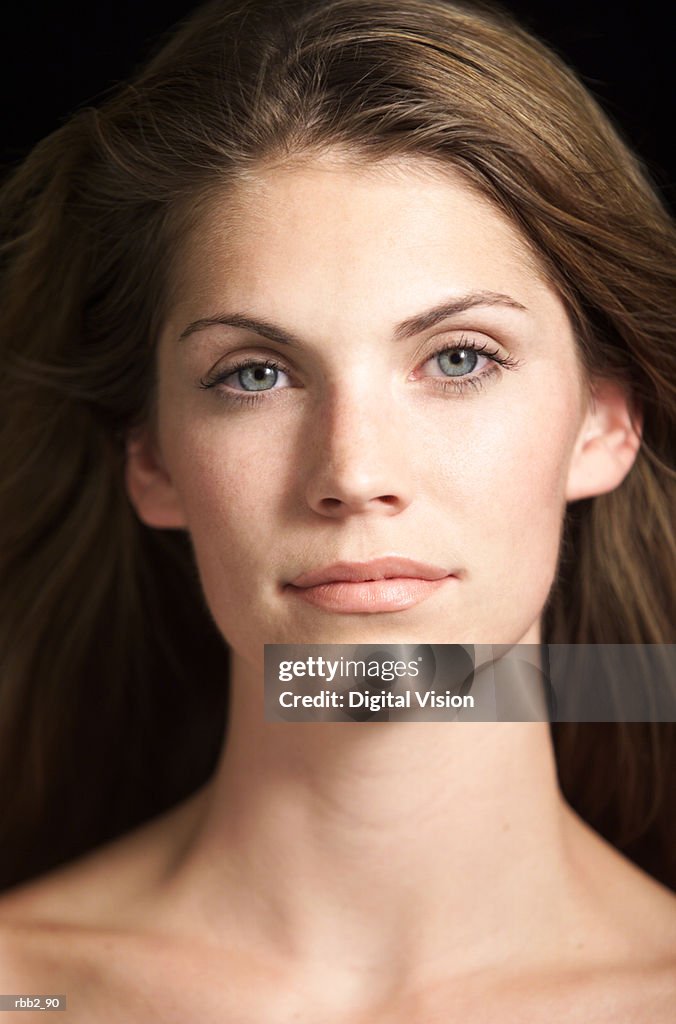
(390, 567)
(381, 585)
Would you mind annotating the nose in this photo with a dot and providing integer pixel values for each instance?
(358, 460)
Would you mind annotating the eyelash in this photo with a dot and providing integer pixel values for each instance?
(458, 386)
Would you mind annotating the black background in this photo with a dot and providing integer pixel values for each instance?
(56, 57)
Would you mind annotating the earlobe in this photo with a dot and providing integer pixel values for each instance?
(149, 485)
(606, 445)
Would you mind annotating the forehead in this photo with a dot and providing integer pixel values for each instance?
(393, 234)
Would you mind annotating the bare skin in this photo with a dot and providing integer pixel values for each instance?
(336, 872)
(78, 931)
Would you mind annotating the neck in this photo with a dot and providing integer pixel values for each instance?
(381, 843)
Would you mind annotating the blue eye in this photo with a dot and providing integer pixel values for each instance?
(457, 361)
(252, 375)
(258, 376)
(456, 365)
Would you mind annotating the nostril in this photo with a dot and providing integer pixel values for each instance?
(354, 502)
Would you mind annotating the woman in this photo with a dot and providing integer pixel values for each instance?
(332, 283)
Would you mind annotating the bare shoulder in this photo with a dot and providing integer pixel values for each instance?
(43, 950)
(101, 974)
(633, 915)
(62, 939)
(103, 887)
(617, 995)
(113, 972)
(627, 964)
(85, 930)
(77, 927)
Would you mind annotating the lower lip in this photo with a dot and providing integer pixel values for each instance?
(390, 595)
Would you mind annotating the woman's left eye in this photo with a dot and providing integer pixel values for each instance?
(456, 366)
(456, 361)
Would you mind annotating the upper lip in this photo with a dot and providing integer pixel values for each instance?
(377, 569)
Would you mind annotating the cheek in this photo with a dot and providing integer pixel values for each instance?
(506, 488)
(222, 469)
(231, 479)
(228, 495)
(510, 454)
(529, 474)
(220, 463)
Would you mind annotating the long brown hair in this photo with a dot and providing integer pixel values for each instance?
(113, 677)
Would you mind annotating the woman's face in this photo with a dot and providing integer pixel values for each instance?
(358, 442)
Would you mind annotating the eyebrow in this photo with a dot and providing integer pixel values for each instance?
(406, 329)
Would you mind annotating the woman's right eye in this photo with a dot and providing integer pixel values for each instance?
(250, 377)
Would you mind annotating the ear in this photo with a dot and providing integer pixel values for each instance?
(148, 483)
(606, 445)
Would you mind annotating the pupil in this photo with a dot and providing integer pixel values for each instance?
(255, 375)
(458, 358)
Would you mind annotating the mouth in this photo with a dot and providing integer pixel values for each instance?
(381, 585)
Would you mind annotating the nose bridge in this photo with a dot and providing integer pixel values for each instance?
(359, 455)
(356, 413)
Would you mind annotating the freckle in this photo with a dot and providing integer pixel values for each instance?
(506, 827)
